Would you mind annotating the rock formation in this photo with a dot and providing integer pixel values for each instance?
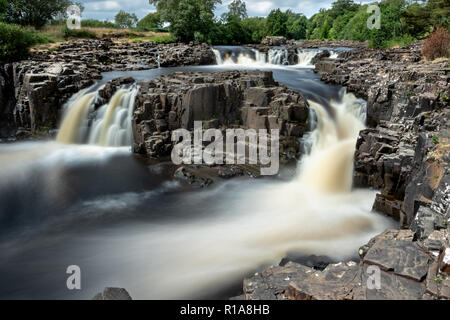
(405, 153)
(228, 99)
(33, 91)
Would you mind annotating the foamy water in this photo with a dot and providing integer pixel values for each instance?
(159, 242)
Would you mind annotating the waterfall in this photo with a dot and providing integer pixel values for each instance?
(329, 165)
(279, 56)
(110, 125)
(229, 55)
(305, 56)
(333, 54)
(75, 121)
(239, 55)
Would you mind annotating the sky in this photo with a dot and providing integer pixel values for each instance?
(107, 9)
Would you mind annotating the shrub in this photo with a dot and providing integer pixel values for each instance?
(402, 41)
(15, 42)
(163, 39)
(78, 33)
(437, 45)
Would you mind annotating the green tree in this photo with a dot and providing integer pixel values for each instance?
(392, 23)
(256, 28)
(232, 31)
(277, 23)
(151, 21)
(356, 28)
(340, 7)
(296, 25)
(3, 6)
(189, 19)
(34, 13)
(125, 20)
(237, 9)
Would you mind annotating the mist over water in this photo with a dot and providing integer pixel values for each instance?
(129, 224)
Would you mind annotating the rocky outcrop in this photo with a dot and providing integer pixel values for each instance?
(228, 99)
(7, 102)
(113, 294)
(405, 152)
(393, 266)
(274, 41)
(32, 92)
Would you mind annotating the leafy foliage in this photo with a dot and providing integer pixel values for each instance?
(34, 13)
(276, 23)
(189, 19)
(150, 21)
(15, 42)
(126, 20)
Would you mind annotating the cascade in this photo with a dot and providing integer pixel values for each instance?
(110, 125)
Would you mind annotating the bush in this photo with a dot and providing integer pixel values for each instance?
(437, 45)
(402, 41)
(15, 42)
(163, 39)
(78, 33)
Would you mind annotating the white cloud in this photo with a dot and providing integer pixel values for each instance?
(103, 5)
(262, 7)
(107, 9)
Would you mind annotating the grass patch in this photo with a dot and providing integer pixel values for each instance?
(79, 33)
(398, 42)
(156, 38)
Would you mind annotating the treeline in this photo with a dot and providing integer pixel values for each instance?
(401, 22)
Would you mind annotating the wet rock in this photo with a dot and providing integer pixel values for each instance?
(192, 177)
(336, 282)
(402, 257)
(226, 99)
(113, 294)
(273, 41)
(273, 283)
(320, 56)
(394, 287)
(227, 172)
(444, 260)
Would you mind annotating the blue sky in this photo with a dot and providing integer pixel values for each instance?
(107, 9)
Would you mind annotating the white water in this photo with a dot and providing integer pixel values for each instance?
(257, 223)
(110, 126)
(305, 56)
(253, 57)
(242, 225)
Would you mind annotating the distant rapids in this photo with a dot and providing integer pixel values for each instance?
(276, 56)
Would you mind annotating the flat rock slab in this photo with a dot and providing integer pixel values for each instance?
(273, 282)
(402, 257)
(394, 287)
(335, 282)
